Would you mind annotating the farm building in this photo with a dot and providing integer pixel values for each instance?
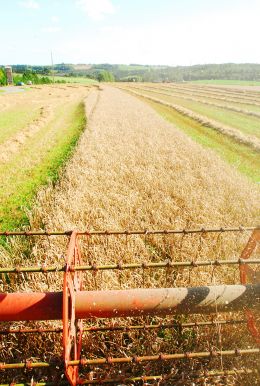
(9, 74)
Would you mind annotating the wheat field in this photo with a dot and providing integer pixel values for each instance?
(132, 170)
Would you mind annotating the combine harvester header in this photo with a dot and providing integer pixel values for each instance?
(72, 305)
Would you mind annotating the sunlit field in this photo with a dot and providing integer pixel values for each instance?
(139, 164)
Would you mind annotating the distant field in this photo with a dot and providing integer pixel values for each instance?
(38, 132)
(75, 79)
(226, 121)
(228, 82)
(125, 67)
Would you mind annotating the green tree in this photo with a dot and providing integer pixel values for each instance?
(3, 78)
(105, 76)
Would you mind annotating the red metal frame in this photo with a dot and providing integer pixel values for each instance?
(246, 271)
(72, 328)
(124, 303)
(76, 303)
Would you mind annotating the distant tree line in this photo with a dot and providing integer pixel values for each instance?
(67, 70)
(30, 76)
(23, 68)
(27, 76)
(249, 72)
(145, 73)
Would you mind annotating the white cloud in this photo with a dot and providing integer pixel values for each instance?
(97, 9)
(30, 4)
(51, 29)
(55, 19)
(197, 39)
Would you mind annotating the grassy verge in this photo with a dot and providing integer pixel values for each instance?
(228, 82)
(243, 159)
(37, 163)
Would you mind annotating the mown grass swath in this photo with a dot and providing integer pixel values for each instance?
(221, 97)
(216, 110)
(227, 82)
(205, 100)
(242, 157)
(243, 122)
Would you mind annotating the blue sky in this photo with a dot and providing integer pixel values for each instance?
(172, 32)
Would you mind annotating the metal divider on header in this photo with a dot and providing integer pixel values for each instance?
(72, 328)
(248, 273)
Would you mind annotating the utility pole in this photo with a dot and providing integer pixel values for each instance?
(52, 68)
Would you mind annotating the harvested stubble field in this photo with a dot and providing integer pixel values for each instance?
(132, 169)
(226, 83)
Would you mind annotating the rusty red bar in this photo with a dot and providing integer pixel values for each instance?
(162, 357)
(123, 266)
(129, 232)
(135, 302)
(30, 306)
(28, 364)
